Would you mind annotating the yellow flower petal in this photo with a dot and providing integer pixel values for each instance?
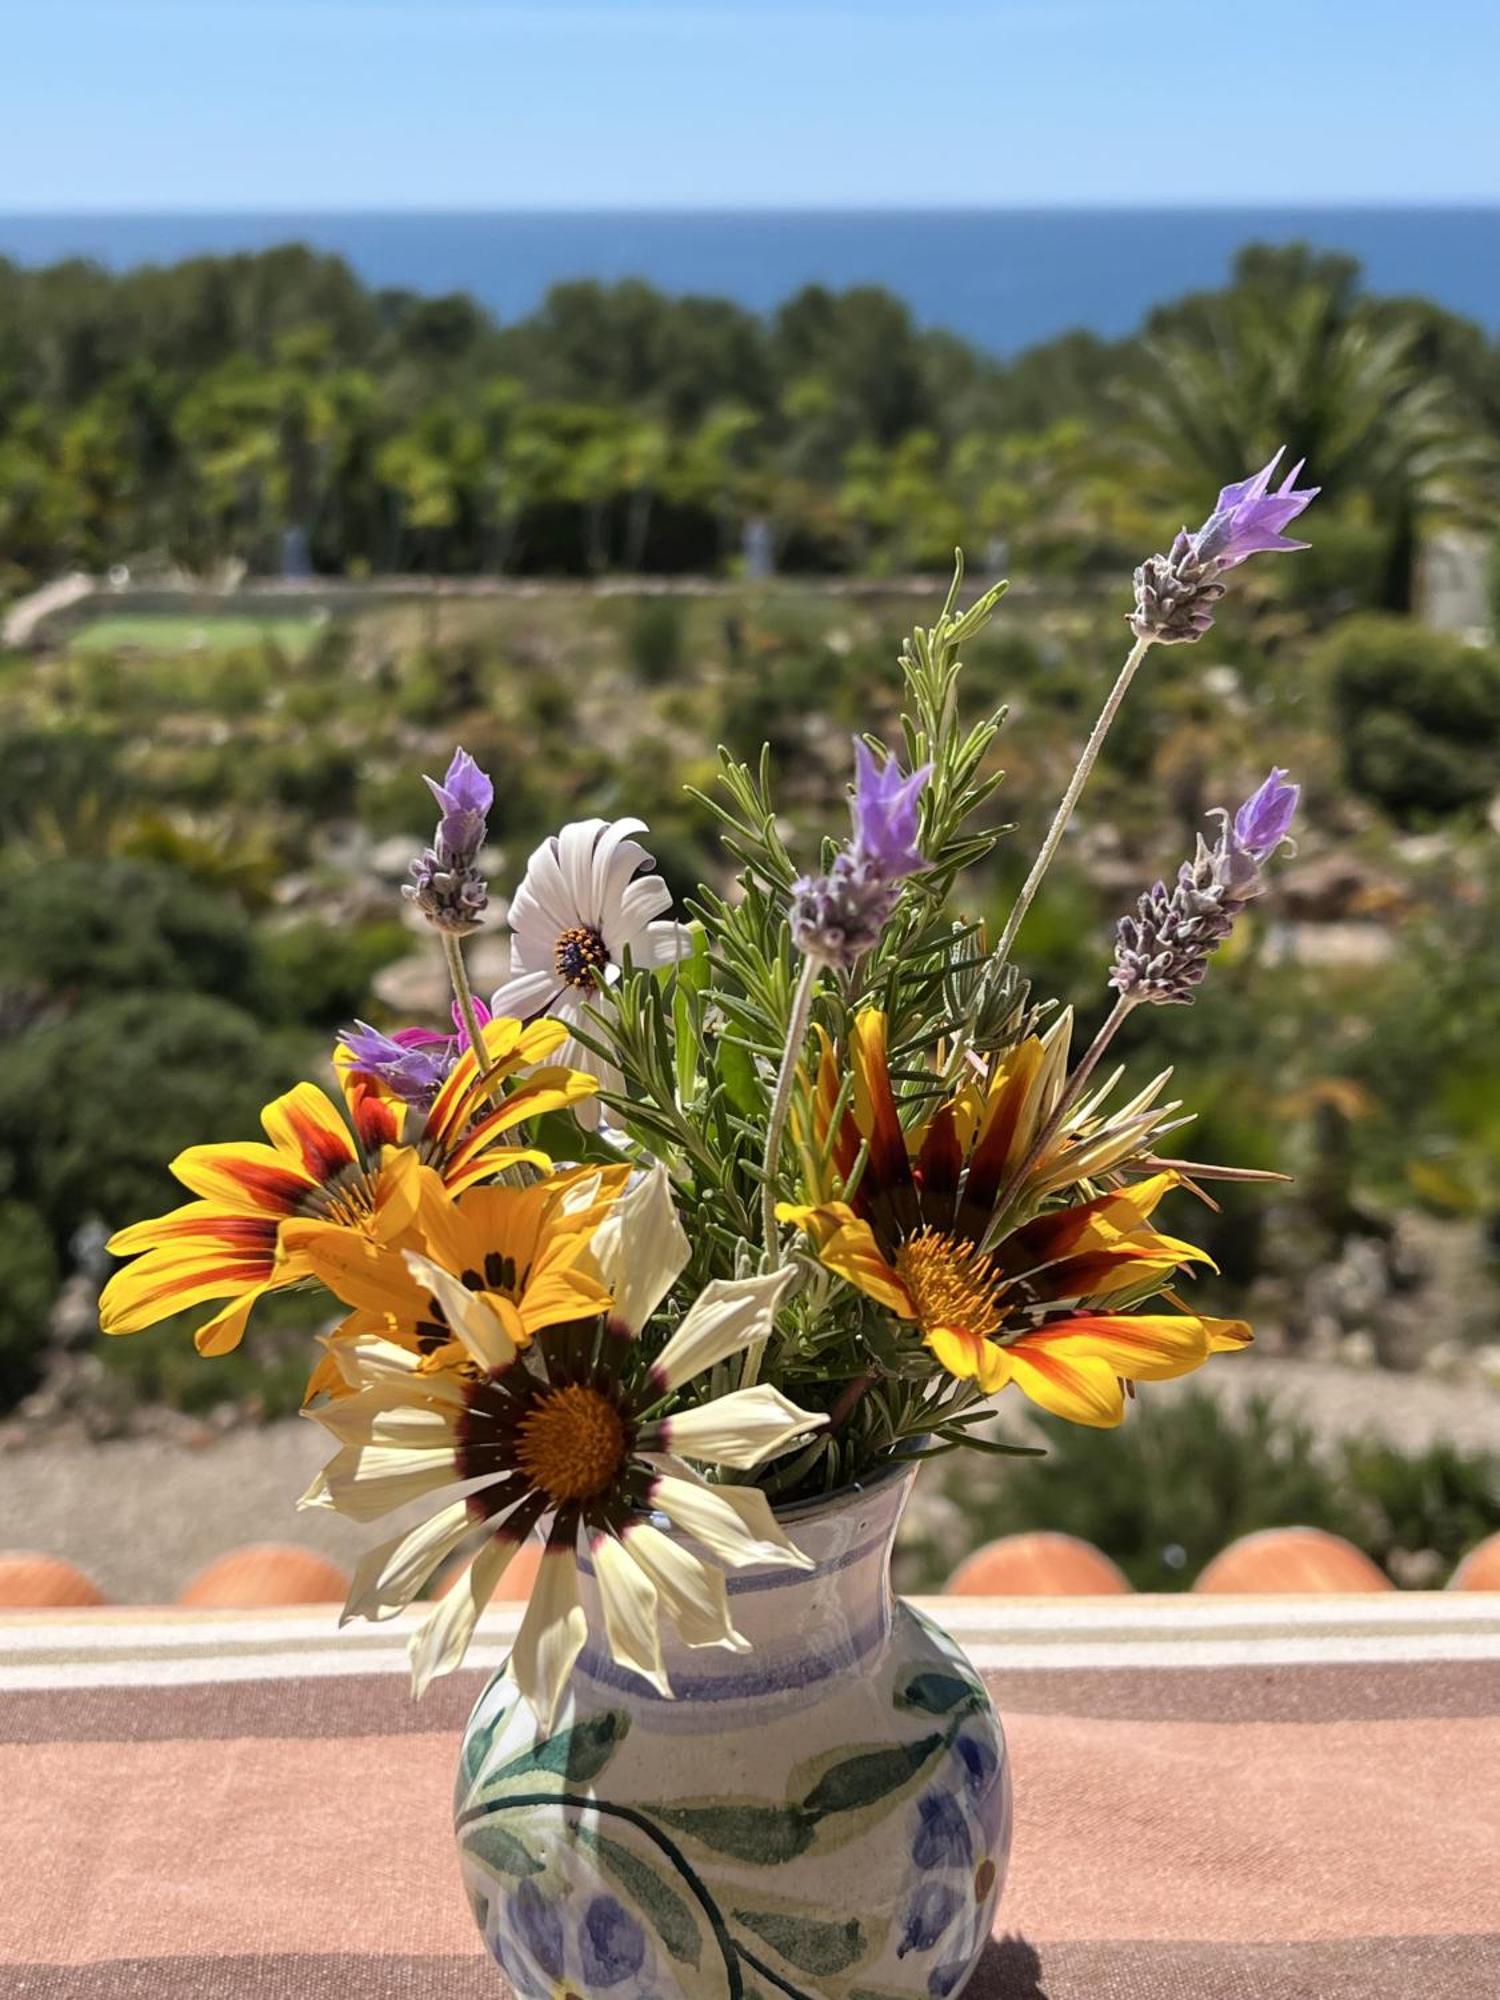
(853, 1252)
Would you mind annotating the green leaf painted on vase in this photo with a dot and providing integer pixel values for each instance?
(767, 1835)
(577, 1754)
(807, 1942)
(939, 1694)
(670, 1915)
(477, 1746)
(500, 1850)
(870, 1775)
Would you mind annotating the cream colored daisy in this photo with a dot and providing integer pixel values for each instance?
(569, 1431)
(589, 896)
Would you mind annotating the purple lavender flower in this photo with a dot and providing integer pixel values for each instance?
(1162, 952)
(414, 1063)
(838, 917)
(415, 1075)
(1249, 518)
(885, 809)
(446, 884)
(1175, 594)
(1265, 819)
(465, 795)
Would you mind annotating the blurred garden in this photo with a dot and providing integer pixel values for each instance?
(210, 796)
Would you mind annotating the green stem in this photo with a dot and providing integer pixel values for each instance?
(520, 1174)
(453, 952)
(781, 1104)
(1070, 797)
(1073, 1089)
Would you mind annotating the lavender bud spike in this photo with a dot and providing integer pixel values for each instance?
(838, 917)
(446, 884)
(1175, 594)
(1162, 952)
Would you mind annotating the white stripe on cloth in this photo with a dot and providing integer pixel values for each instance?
(1017, 1634)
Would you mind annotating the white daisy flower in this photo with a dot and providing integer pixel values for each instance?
(588, 897)
(564, 1431)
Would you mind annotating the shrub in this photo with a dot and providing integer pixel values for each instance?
(79, 926)
(1418, 714)
(1167, 1491)
(28, 1285)
(320, 977)
(161, 1365)
(61, 784)
(1440, 1500)
(653, 639)
(92, 1107)
(1184, 1478)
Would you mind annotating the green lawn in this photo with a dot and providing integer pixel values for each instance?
(185, 632)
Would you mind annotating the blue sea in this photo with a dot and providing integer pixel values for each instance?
(1003, 278)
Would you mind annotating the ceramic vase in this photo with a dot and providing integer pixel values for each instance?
(825, 1817)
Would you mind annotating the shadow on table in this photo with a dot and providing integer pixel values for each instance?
(1009, 1970)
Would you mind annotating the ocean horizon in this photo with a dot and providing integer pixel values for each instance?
(1002, 278)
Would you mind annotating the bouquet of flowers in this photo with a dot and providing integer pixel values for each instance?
(702, 1216)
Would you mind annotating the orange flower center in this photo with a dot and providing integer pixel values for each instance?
(951, 1283)
(571, 1443)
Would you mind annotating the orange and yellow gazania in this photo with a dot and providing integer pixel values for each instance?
(344, 1168)
(525, 1251)
(943, 1223)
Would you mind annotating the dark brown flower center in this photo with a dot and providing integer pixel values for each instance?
(580, 954)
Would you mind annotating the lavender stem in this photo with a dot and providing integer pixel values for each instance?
(781, 1104)
(1070, 797)
(463, 993)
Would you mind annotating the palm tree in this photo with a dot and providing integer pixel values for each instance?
(1293, 353)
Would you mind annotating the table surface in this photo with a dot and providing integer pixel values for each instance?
(1216, 1799)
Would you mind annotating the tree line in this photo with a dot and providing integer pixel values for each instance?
(209, 411)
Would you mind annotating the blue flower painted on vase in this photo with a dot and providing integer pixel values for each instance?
(942, 1838)
(981, 1768)
(611, 1944)
(539, 1927)
(932, 1910)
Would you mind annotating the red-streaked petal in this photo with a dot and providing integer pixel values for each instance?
(146, 1292)
(305, 1124)
(249, 1177)
(197, 1223)
(376, 1115)
(875, 1104)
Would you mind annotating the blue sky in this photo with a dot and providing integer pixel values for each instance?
(317, 104)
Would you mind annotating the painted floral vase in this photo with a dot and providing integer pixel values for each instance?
(825, 1817)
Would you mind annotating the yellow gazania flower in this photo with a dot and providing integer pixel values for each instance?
(323, 1163)
(565, 1430)
(524, 1251)
(1045, 1304)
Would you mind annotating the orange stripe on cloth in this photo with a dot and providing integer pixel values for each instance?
(1229, 1833)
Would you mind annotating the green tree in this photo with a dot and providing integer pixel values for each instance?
(1292, 354)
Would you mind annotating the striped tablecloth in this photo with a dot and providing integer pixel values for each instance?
(1217, 1799)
